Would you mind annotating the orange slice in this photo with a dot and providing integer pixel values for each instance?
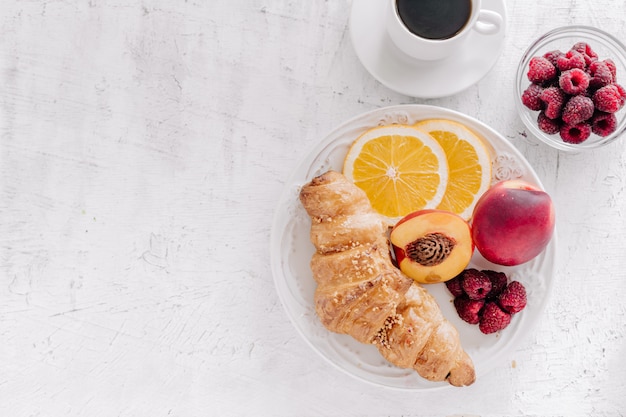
(401, 169)
(469, 164)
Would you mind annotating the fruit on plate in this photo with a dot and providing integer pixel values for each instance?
(401, 169)
(487, 298)
(436, 163)
(469, 164)
(575, 92)
(432, 245)
(513, 222)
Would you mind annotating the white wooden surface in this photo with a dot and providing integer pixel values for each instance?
(144, 145)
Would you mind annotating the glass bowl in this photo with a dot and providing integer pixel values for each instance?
(563, 39)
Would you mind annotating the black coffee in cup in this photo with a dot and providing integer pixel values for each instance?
(434, 19)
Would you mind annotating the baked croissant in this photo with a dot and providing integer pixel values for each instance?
(361, 293)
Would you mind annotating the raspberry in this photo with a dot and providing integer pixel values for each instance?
(493, 318)
(603, 124)
(610, 98)
(498, 282)
(576, 133)
(468, 309)
(554, 98)
(609, 63)
(547, 125)
(476, 284)
(572, 59)
(530, 97)
(540, 70)
(601, 74)
(513, 297)
(454, 286)
(552, 56)
(585, 50)
(574, 81)
(577, 109)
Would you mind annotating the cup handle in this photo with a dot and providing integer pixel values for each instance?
(488, 22)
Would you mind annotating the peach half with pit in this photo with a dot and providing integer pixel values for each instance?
(512, 223)
(432, 246)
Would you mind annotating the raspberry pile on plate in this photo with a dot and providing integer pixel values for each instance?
(486, 298)
(575, 93)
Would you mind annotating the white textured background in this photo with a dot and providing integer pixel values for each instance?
(143, 147)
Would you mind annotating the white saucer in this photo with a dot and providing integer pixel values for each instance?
(423, 79)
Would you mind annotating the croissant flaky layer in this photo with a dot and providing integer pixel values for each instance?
(361, 293)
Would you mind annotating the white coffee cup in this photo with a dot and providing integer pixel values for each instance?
(485, 22)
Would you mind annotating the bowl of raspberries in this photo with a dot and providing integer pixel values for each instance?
(568, 88)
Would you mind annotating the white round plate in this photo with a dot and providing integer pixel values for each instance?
(424, 79)
(291, 252)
